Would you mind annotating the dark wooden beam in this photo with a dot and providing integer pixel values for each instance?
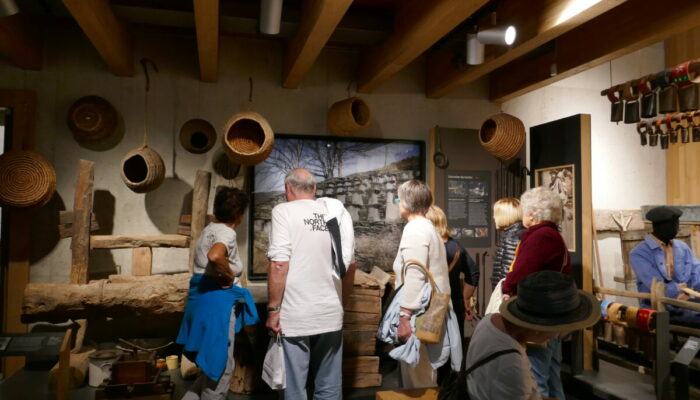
(624, 29)
(418, 25)
(206, 21)
(537, 22)
(20, 41)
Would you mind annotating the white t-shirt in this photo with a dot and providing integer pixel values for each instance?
(507, 377)
(421, 242)
(213, 233)
(312, 295)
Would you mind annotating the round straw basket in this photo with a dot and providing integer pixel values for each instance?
(92, 118)
(502, 135)
(26, 179)
(248, 138)
(197, 136)
(348, 116)
(143, 170)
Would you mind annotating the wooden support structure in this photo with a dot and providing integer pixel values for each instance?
(65, 227)
(106, 32)
(133, 241)
(200, 203)
(636, 24)
(82, 212)
(319, 18)
(20, 41)
(63, 379)
(537, 22)
(206, 22)
(141, 261)
(418, 25)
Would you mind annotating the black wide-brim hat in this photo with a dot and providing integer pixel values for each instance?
(548, 301)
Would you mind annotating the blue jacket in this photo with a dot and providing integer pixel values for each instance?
(204, 329)
(648, 262)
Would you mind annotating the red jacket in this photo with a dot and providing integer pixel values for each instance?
(541, 248)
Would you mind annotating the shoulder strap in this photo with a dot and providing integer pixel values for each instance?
(454, 260)
(420, 265)
(489, 358)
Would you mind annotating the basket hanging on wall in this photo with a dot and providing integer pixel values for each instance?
(502, 135)
(248, 138)
(92, 118)
(143, 169)
(197, 136)
(348, 116)
(26, 179)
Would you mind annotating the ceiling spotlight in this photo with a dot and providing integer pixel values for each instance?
(270, 16)
(503, 36)
(8, 7)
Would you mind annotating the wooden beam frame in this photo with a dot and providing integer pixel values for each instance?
(624, 29)
(206, 21)
(319, 18)
(418, 25)
(537, 22)
(20, 41)
(106, 33)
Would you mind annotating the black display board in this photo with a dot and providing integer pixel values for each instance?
(468, 198)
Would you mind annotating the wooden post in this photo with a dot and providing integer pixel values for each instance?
(200, 203)
(141, 261)
(64, 367)
(82, 210)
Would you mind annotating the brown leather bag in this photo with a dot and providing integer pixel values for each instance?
(430, 324)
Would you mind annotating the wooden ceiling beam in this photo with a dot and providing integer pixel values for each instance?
(20, 41)
(622, 30)
(206, 21)
(319, 18)
(418, 25)
(537, 22)
(106, 32)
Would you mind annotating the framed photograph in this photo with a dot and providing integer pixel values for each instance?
(561, 180)
(362, 173)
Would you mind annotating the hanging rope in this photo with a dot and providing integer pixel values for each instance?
(144, 64)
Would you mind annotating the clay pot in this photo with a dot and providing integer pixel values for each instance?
(143, 169)
(248, 138)
(348, 116)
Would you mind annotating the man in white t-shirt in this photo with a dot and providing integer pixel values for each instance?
(305, 289)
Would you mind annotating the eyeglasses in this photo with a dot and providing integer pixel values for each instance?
(396, 200)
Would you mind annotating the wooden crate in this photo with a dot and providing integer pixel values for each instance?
(359, 340)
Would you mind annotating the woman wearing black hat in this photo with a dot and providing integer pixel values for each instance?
(547, 306)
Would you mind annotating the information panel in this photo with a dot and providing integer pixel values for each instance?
(469, 207)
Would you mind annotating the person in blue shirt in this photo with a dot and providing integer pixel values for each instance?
(669, 261)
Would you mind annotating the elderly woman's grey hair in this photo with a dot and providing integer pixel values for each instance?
(415, 197)
(301, 180)
(543, 204)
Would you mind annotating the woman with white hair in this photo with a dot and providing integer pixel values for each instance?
(542, 248)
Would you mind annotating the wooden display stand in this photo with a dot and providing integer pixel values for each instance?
(408, 394)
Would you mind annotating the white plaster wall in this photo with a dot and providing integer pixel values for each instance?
(625, 175)
(72, 69)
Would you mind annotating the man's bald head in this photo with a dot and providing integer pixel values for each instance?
(301, 182)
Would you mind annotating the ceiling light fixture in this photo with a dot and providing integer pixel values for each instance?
(8, 7)
(270, 16)
(502, 36)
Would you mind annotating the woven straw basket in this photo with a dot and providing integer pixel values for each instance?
(143, 169)
(502, 135)
(197, 136)
(248, 138)
(348, 116)
(26, 179)
(92, 118)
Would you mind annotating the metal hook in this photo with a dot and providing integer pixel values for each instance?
(250, 89)
(144, 64)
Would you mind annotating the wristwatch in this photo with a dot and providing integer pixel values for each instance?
(404, 314)
(270, 309)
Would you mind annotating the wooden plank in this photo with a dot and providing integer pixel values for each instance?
(364, 280)
(65, 229)
(408, 394)
(82, 206)
(623, 293)
(417, 26)
(362, 380)
(587, 231)
(200, 203)
(365, 292)
(63, 383)
(206, 22)
(361, 303)
(351, 317)
(106, 32)
(362, 364)
(186, 219)
(359, 343)
(20, 41)
(131, 241)
(141, 261)
(318, 20)
(537, 22)
(622, 30)
(184, 230)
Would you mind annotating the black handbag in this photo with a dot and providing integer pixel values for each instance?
(455, 387)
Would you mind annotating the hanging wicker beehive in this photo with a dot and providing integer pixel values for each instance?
(26, 179)
(143, 169)
(197, 136)
(348, 116)
(92, 118)
(502, 135)
(248, 138)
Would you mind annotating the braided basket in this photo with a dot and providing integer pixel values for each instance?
(248, 138)
(26, 179)
(197, 136)
(92, 118)
(502, 135)
(348, 116)
(143, 169)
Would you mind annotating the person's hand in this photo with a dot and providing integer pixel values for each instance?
(404, 330)
(224, 281)
(273, 322)
(683, 296)
(506, 297)
(469, 312)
